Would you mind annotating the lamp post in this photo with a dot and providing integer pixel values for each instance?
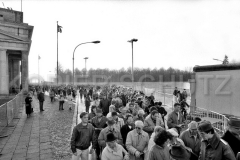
(86, 68)
(131, 41)
(86, 58)
(74, 52)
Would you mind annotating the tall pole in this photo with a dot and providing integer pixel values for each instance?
(21, 5)
(57, 53)
(86, 67)
(132, 67)
(131, 41)
(38, 70)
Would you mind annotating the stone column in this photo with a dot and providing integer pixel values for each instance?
(4, 89)
(193, 94)
(16, 73)
(24, 75)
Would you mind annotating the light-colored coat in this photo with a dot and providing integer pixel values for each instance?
(151, 142)
(133, 145)
(109, 154)
(149, 125)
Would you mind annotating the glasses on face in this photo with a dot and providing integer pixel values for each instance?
(138, 128)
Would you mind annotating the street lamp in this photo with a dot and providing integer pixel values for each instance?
(74, 52)
(217, 60)
(131, 41)
(85, 64)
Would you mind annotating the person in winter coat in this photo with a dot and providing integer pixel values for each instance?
(104, 105)
(191, 138)
(137, 142)
(151, 121)
(52, 95)
(82, 136)
(129, 126)
(140, 116)
(160, 150)
(175, 118)
(119, 122)
(114, 151)
(41, 99)
(232, 135)
(212, 147)
(151, 142)
(93, 112)
(110, 128)
(99, 122)
(28, 105)
(61, 101)
(87, 102)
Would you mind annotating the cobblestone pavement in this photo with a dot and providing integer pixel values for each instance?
(45, 135)
(60, 125)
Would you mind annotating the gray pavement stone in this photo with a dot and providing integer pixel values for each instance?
(19, 158)
(19, 155)
(43, 136)
(33, 155)
(46, 155)
(34, 158)
(7, 150)
(6, 156)
(33, 150)
(20, 151)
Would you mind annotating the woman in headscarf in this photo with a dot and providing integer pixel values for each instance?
(28, 105)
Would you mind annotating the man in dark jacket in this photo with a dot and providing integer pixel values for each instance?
(212, 147)
(129, 126)
(161, 110)
(232, 135)
(104, 105)
(41, 100)
(175, 91)
(99, 122)
(82, 136)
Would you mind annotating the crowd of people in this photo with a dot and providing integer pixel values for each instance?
(128, 125)
(120, 123)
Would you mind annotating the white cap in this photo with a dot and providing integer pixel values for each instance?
(173, 132)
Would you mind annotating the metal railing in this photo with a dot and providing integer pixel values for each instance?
(219, 121)
(10, 110)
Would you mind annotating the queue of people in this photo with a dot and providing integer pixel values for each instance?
(124, 124)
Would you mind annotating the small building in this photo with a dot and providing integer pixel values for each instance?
(15, 44)
(216, 88)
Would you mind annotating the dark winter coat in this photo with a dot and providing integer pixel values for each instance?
(233, 142)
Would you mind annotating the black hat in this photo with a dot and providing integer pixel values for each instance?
(179, 152)
(110, 137)
(204, 126)
(234, 122)
(114, 114)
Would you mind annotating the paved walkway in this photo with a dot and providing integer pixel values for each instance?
(29, 139)
(42, 136)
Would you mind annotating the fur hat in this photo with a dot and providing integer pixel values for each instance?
(204, 126)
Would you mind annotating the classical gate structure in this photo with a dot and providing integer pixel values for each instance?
(15, 44)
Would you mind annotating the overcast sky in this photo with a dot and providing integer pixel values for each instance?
(170, 33)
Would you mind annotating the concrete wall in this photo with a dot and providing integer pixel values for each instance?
(11, 15)
(219, 91)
